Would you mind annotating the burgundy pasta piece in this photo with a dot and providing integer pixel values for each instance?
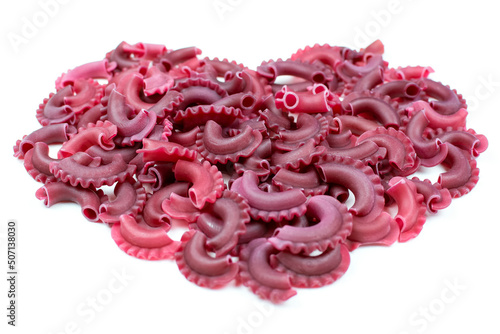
(37, 163)
(430, 152)
(199, 267)
(167, 104)
(326, 54)
(317, 99)
(243, 101)
(185, 138)
(198, 91)
(101, 134)
(199, 115)
(233, 212)
(56, 192)
(257, 273)
(93, 115)
(153, 212)
(399, 88)
(174, 57)
(207, 181)
(127, 153)
(365, 82)
(408, 73)
(370, 223)
(54, 111)
(307, 127)
(137, 239)
(447, 100)
(131, 85)
(379, 108)
(313, 271)
(71, 171)
(256, 85)
(308, 181)
(400, 151)
(367, 151)
(411, 207)
(86, 94)
(180, 207)
(348, 69)
(130, 198)
(214, 147)
(435, 197)
(462, 175)
(305, 155)
(310, 72)
(50, 134)
(274, 206)
(330, 223)
(437, 120)
(157, 82)
(467, 140)
(155, 150)
(130, 130)
(100, 69)
(156, 174)
(357, 125)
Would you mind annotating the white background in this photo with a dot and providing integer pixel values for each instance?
(65, 261)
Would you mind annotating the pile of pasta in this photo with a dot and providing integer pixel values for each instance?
(276, 174)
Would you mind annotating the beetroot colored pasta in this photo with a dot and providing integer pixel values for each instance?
(260, 172)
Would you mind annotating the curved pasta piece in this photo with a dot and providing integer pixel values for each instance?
(131, 85)
(313, 271)
(199, 115)
(153, 212)
(310, 72)
(126, 55)
(308, 182)
(437, 120)
(408, 73)
(130, 198)
(430, 152)
(162, 151)
(307, 127)
(467, 140)
(54, 111)
(347, 69)
(400, 151)
(100, 69)
(367, 151)
(37, 163)
(366, 82)
(370, 222)
(50, 134)
(101, 134)
(198, 91)
(157, 81)
(305, 155)
(379, 108)
(180, 207)
(435, 197)
(334, 225)
(214, 147)
(156, 174)
(130, 130)
(274, 206)
(462, 175)
(411, 207)
(172, 58)
(186, 138)
(86, 94)
(93, 115)
(357, 125)
(137, 239)
(56, 192)
(71, 171)
(199, 267)
(233, 212)
(399, 88)
(244, 101)
(207, 181)
(447, 102)
(326, 54)
(317, 100)
(257, 273)
(167, 104)
(127, 153)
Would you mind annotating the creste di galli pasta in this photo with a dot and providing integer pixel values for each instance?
(257, 165)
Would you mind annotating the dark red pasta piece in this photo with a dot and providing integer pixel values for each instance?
(156, 150)
(199, 267)
(37, 163)
(54, 111)
(257, 273)
(214, 147)
(305, 155)
(101, 134)
(129, 199)
(435, 197)
(447, 100)
(50, 134)
(199, 115)
(100, 69)
(56, 192)
(313, 271)
(307, 127)
(332, 225)
(308, 181)
(136, 238)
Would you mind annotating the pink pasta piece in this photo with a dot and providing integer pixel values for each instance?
(437, 120)
(136, 238)
(313, 271)
(231, 213)
(381, 109)
(72, 171)
(167, 104)
(156, 150)
(447, 100)
(329, 224)
(156, 174)
(180, 207)
(310, 72)
(274, 206)
(214, 147)
(199, 267)
(207, 181)
(462, 175)
(257, 273)
(50, 134)
(199, 91)
(399, 88)
(435, 197)
(308, 181)
(305, 155)
(307, 127)
(175, 57)
(101, 134)
(157, 82)
(467, 140)
(100, 69)
(130, 198)
(54, 111)
(318, 99)
(411, 207)
(86, 94)
(37, 163)
(199, 115)
(56, 192)
(367, 151)
(154, 215)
